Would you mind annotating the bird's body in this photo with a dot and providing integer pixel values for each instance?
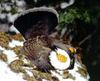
(38, 26)
(39, 49)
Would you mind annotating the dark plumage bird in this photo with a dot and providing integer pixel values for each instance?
(37, 50)
(43, 46)
(40, 50)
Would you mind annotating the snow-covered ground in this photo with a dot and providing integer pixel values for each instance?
(6, 74)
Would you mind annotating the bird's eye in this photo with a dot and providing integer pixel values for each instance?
(61, 58)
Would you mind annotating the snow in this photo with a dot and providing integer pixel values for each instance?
(7, 75)
(3, 16)
(1, 48)
(15, 43)
(77, 76)
(60, 77)
(66, 4)
(20, 3)
(44, 80)
(6, 7)
(11, 17)
(29, 72)
(73, 72)
(13, 29)
(5, 72)
(11, 55)
(35, 1)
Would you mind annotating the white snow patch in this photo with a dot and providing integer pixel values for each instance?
(29, 72)
(25, 61)
(7, 75)
(20, 3)
(66, 4)
(15, 43)
(13, 29)
(10, 55)
(6, 7)
(11, 17)
(1, 48)
(44, 80)
(35, 1)
(3, 16)
(74, 73)
(60, 77)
